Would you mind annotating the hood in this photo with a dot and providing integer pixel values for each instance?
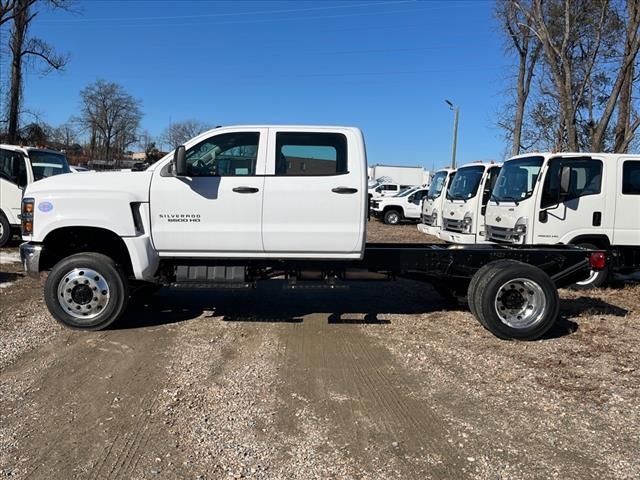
(132, 185)
(503, 215)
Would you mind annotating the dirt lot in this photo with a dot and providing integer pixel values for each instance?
(379, 381)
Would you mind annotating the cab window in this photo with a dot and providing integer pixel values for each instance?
(310, 154)
(631, 178)
(585, 178)
(12, 167)
(224, 155)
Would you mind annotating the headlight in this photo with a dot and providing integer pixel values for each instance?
(521, 226)
(27, 216)
(467, 223)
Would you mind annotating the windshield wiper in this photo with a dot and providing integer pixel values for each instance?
(495, 199)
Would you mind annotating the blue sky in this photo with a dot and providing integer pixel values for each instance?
(384, 66)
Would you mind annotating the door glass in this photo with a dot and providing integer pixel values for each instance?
(311, 154)
(225, 155)
(585, 179)
(47, 164)
(12, 167)
(631, 178)
(489, 184)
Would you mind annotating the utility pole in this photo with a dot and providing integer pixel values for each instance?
(456, 114)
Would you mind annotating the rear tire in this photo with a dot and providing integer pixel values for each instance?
(86, 291)
(516, 301)
(392, 217)
(597, 278)
(5, 230)
(472, 295)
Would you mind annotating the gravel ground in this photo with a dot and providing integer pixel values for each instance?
(379, 381)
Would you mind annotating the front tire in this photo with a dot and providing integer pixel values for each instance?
(5, 230)
(392, 217)
(86, 291)
(516, 301)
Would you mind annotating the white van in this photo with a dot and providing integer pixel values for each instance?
(465, 203)
(588, 199)
(20, 166)
(432, 203)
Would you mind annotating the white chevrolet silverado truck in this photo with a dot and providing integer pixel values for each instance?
(237, 205)
(404, 206)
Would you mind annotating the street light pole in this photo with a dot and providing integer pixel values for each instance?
(456, 114)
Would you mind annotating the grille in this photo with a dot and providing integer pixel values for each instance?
(499, 234)
(452, 225)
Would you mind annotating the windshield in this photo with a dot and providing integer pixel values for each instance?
(406, 192)
(437, 184)
(47, 164)
(465, 184)
(517, 179)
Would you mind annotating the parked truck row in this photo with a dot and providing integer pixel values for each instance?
(590, 200)
(239, 205)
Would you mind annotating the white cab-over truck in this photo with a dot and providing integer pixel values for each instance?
(237, 205)
(20, 166)
(587, 199)
(431, 217)
(465, 202)
(404, 206)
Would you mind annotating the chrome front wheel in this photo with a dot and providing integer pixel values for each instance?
(83, 293)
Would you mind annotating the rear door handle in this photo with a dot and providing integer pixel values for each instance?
(246, 190)
(344, 190)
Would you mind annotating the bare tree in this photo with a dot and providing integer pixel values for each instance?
(178, 133)
(66, 134)
(23, 47)
(521, 39)
(626, 126)
(111, 116)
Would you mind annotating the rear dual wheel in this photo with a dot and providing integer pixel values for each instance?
(514, 300)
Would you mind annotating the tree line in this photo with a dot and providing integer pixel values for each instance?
(576, 74)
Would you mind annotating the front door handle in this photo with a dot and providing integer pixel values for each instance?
(344, 190)
(246, 190)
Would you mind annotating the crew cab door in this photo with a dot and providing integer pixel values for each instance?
(217, 208)
(315, 193)
(413, 207)
(572, 201)
(627, 217)
(13, 180)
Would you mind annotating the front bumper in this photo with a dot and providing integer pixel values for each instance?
(428, 229)
(455, 237)
(30, 257)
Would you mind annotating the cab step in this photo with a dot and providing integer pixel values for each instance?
(210, 277)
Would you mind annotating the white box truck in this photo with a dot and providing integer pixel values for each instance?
(233, 207)
(405, 176)
(465, 202)
(587, 199)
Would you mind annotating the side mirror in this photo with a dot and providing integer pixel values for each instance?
(180, 162)
(565, 182)
(411, 198)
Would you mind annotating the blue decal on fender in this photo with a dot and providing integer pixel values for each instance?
(45, 207)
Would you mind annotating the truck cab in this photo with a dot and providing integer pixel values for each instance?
(384, 189)
(431, 217)
(465, 202)
(588, 199)
(19, 167)
(404, 206)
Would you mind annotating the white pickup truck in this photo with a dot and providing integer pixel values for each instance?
(588, 199)
(236, 205)
(404, 206)
(464, 205)
(20, 166)
(432, 204)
